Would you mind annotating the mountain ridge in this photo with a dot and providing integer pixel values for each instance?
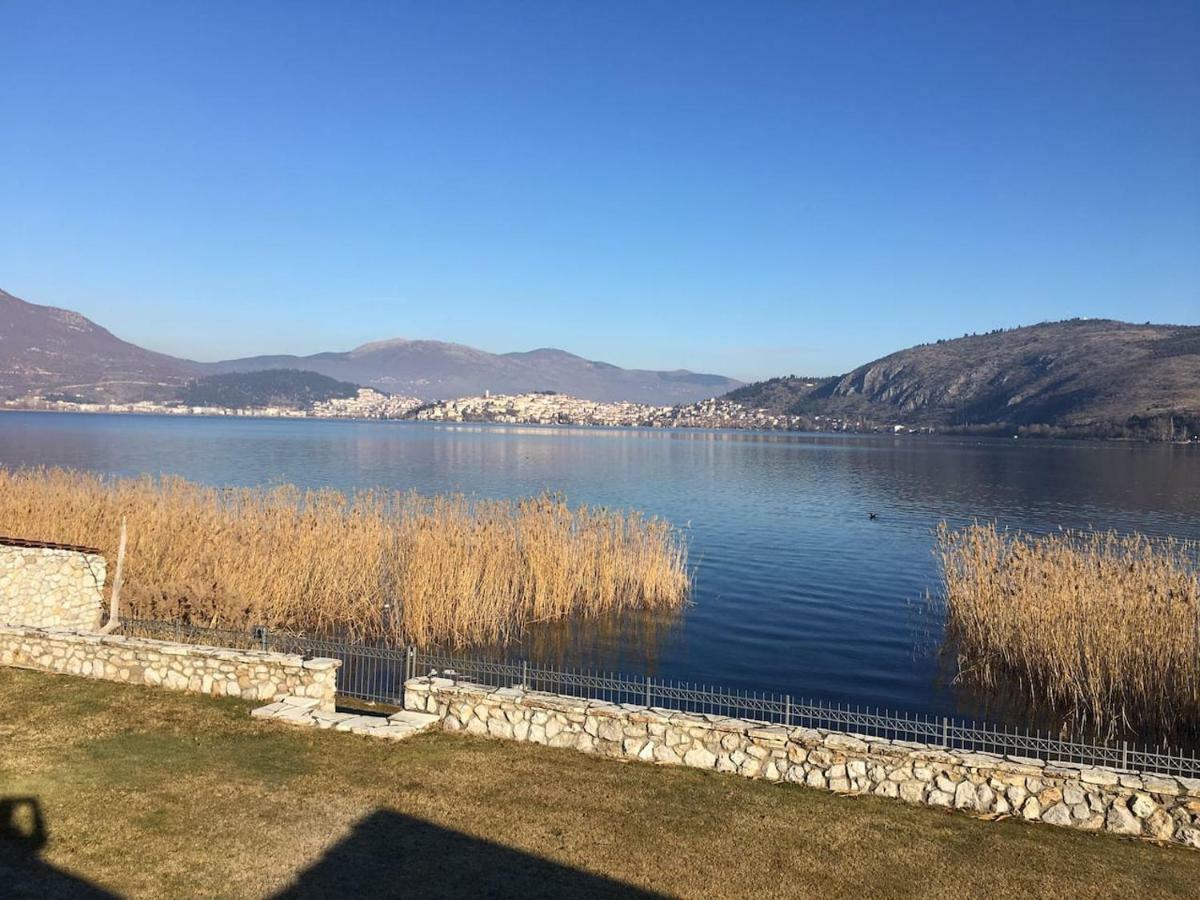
(92, 362)
(1075, 374)
(50, 348)
(1072, 375)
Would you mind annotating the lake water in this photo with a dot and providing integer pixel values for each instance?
(797, 590)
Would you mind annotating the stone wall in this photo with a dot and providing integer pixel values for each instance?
(50, 585)
(1150, 806)
(220, 672)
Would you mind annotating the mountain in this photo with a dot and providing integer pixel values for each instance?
(272, 387)
(434, 370)
(1076, 375)
(43, 348)
(1094, 376)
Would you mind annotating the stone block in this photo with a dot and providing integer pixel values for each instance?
(300, 702)
(939, 798)
(964, 796)
(1058, 814)
(1161, 784)
(1121, 821)
(699, 758)
(1105, 777)
(845, 743)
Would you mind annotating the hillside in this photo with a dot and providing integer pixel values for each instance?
(777, 395)
(435, 370)
(1083, 375)
(44, 348)
(275, 387)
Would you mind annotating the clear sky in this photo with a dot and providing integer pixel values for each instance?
(747, 188)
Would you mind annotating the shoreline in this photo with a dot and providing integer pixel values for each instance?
(298, 415)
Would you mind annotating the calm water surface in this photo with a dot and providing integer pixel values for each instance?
(796, 589)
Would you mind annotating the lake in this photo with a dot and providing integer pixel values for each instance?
(797, 589)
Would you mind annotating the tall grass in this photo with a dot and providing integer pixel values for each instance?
(374, 564)
(1103, 626)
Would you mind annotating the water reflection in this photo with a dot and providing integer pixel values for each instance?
(617, 642)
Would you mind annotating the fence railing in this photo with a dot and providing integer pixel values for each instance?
(376, 673)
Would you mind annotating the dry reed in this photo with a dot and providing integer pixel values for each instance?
(1103, 626)
(375, 564)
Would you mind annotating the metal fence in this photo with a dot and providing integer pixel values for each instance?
(376, 673)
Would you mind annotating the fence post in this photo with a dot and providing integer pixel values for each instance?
(945, 731)
(1124, 754)
(525, 674)
(647, 690)
(787, 712)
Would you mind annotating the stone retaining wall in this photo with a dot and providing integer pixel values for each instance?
(220, 672)
(1150, 806)
(50, 586)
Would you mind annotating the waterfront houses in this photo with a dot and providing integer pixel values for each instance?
(367, 404)
(538, 408)
(546, 408)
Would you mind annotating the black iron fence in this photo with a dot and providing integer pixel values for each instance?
(376, 673)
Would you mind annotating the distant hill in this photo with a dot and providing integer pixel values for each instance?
(48, 350)
(778, 395)
(434, 370)
(274, 387)
(43, 349)
(1084, 375)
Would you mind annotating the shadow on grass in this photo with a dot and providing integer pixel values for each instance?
(389, 854)
(23, 873)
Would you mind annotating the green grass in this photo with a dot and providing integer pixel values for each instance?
(148, 793)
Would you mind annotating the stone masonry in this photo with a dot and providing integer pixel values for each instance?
(1149, 806)
(50, 585)
(217, 671)
(305, 712)
(50, 601)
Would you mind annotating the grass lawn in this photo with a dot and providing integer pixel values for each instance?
(152, 794)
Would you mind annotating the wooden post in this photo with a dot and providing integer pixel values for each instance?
(114, 606)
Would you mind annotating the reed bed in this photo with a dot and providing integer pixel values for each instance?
(372, 565)
(1102, 626)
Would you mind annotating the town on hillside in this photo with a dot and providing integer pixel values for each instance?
(537, 408)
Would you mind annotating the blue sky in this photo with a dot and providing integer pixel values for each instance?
(752, 189)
